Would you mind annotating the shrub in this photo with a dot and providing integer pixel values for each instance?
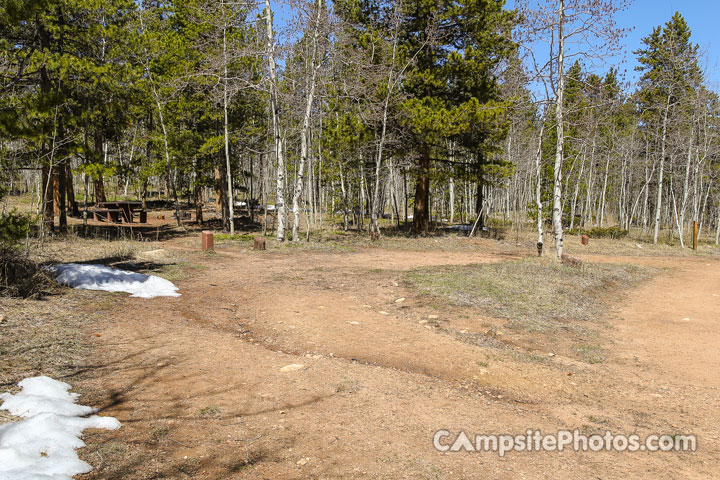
(14, 227)
(19, 275)
(597, 232)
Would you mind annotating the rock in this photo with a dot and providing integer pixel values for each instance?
(303, 461)
(571, 261)
(551, 354)
(422, 322)
(499, 333)
(354, 323)
(292, 367)
(400, 300)
(381, 312)
(432, 317)
(638, 245)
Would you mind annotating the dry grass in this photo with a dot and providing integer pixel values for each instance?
(341, 242)
(44, 337)
(522, 243)
(77, 249)
(635, 247)
(22, 277)
(533, 294)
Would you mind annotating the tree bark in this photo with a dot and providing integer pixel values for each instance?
(62, 182)
(422, 193)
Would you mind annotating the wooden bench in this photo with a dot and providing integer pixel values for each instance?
(107, 214)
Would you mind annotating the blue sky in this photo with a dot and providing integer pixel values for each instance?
(703, 17)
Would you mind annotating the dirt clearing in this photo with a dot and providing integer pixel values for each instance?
(343, 363)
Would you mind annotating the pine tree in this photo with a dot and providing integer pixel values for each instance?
(452, 90)
(670, 76)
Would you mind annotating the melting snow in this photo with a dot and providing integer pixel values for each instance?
(42, 445)
(100, 277)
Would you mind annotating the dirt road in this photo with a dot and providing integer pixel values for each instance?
(200, 385)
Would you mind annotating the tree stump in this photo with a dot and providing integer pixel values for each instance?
(259, 243)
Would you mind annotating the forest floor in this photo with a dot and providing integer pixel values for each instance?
(391, 341)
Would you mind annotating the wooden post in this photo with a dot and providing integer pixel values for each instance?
(696, 228)
(259, 243)
(207, 240)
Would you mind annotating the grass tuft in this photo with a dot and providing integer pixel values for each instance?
(533, 294)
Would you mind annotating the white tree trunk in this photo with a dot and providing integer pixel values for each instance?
(573, 206)
(381, 144)
(228, 171)
(538, 190)
(452, 199)
(683, 204)
(604, 190)
(717, 226)
(560, 145)
(305, 132)
(280, 182)
(663, 141)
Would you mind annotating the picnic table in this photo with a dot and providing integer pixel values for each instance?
(119, 211)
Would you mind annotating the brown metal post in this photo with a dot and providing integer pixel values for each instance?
(696, 228)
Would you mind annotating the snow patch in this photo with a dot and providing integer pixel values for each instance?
(42, 445)
(100, 277)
